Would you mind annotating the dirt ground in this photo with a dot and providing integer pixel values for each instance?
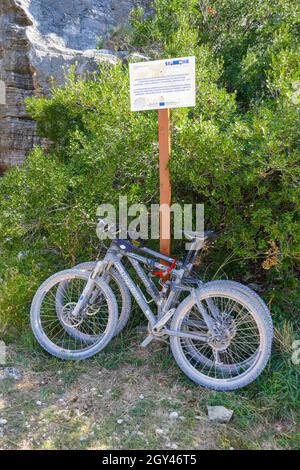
(129, 398)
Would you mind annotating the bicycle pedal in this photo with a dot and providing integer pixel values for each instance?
(147, 341)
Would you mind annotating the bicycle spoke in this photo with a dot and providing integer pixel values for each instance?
(65, 331)
(229, 355)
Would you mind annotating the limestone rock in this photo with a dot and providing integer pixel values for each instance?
(219, 413)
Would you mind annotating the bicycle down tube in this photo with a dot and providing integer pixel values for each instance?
(135, 290)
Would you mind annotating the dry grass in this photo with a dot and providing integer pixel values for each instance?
(122, 400)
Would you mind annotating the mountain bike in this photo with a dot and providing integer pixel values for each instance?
(220, 332)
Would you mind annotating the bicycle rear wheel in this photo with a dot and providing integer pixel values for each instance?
(235, 355)
(254, 297)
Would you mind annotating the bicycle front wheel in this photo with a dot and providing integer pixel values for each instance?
(98, 320)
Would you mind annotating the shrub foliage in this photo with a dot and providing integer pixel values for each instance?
(237, 151)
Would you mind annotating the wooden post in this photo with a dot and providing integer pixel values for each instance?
(164, 142)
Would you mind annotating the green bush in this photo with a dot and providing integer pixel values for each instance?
(237, 151)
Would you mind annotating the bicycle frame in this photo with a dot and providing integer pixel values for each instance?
(135, 290)
(165, 303)
(157, 324)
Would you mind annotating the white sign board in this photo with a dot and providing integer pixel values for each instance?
(162, 84)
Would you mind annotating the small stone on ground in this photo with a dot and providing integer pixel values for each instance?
(219, 414)
(10, 373)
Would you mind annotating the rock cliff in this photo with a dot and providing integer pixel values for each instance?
(39, 39)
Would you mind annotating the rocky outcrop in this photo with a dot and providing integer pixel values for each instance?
(40, 39)
(17, 82)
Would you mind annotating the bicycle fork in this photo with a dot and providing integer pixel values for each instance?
(87, 295)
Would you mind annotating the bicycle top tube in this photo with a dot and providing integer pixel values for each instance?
(130, 249)
(156, 254)
(148, 261)
(127, 248)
